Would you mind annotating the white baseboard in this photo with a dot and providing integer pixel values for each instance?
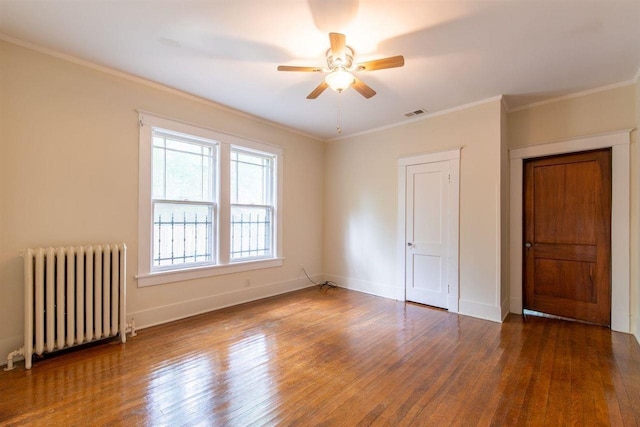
(635, 326)
(482, 311)
(364, 286)
(171, 312)
(468, 308)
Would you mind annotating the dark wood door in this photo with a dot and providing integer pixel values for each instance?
(567, 235)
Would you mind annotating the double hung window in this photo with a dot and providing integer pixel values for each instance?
(251, 205)
(183, 201)
(209, 202)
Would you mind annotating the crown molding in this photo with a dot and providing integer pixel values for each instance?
(572, 95)
(152, 84)
(505, 103)
(422, 117)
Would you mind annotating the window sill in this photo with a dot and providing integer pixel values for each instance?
(162, 277)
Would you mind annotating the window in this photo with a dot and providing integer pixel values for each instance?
(251, 205)
(183, 201)
(209, 203)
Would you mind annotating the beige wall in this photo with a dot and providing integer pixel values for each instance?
(69, 175)
(598, 112)
(361, 198)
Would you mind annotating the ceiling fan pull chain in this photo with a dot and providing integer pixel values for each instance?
(338, 128)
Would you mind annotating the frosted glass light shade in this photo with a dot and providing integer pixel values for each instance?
(339, 80)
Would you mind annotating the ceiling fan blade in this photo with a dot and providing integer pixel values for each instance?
(338, 43)
(294, 68)
(363, 89)
(317, 91)
(379, 64)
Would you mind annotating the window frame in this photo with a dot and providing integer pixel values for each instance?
(147, 275)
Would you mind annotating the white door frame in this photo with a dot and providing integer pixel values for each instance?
(620, 216)
(453, 157)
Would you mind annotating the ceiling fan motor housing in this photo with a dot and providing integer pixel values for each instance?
(334, 62)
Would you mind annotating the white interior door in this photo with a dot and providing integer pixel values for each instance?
(427, 240)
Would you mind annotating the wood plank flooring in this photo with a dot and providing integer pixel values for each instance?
(339, 358)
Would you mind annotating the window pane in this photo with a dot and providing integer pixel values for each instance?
(182, 234)
(185, 175)
(182, 170)
(158, 167)
(251, 232)
(251, 178)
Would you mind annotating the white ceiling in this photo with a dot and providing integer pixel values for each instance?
(455, 52)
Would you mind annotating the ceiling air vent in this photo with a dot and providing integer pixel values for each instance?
(415, 112)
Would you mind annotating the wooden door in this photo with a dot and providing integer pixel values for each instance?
(427, 216)
(567, 235)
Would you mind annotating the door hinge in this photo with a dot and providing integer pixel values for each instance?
(449, 177)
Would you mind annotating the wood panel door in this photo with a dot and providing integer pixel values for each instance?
(567, 235)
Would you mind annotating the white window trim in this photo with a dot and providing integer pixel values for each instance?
(147, 277)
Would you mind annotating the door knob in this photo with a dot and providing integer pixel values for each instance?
(527, 245)
(410, 244)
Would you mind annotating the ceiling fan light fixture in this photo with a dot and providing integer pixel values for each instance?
(339, 79)
(340, 68)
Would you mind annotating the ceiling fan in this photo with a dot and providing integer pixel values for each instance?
(340, 68)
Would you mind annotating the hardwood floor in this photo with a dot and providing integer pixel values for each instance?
(338, 358)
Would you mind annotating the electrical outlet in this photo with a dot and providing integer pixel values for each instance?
(247, 282)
